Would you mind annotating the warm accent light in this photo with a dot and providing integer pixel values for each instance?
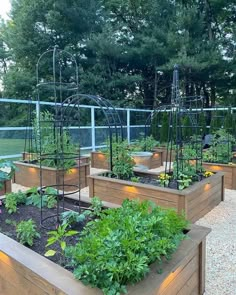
(130, 189)
(156, 155)
(207, 186)
(216, 168)
(33, 170)
(101, 156)
(169, 279)
(5, 258)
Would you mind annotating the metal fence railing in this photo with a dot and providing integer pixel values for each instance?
(92, 135)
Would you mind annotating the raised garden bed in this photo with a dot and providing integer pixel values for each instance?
(99, 160)
(196, 200)
(29, 175)
(22, 271)
(229, 172)
(6, 187)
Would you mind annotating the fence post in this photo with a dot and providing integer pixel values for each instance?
(93, 129)
(128, 125)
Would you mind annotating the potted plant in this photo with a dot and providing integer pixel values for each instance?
(219, 157)
(7, 170)
(57, 159)
(196, 194)
(139, 245)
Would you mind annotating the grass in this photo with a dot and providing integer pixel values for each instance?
(11, 146)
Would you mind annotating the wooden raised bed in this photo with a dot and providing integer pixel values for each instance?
(25, 272)
(29, 175)
(6, 187)
(196, 200)
(229, 172)
(163, 150)
(99, 160)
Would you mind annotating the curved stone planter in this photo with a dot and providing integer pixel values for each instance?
(229, 172)
(142, 159)
(25, 272)
(99, 160)
(196, 200)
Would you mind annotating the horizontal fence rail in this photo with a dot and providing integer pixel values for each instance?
(93, 136)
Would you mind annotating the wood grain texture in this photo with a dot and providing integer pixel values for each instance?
(6, 187)
(228, 170)
(29, 175)
(24, 272)
(195, 201)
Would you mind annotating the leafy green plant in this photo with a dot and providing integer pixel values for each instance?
(184, 181)
(220, 150)
(13, 199)
(27, 232)
(48, 199)
(144, 144)
(59, 236)
(123, 163)
(7, 170)
(70, 217)
(164, 179)
(96, 206)
(117, 248)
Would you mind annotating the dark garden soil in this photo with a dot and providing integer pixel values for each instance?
(153, 180)
(8, 224)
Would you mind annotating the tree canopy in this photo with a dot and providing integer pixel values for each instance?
(126, 49)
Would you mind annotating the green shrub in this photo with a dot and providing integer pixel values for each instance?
(117, 248)
(27, 232)
(13, 199)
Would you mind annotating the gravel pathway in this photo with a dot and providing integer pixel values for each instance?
(221, 247)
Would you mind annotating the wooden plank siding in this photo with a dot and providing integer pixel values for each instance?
(229, 171)
(29, 175)
(25, 272)
(195, 201)
(6, 188)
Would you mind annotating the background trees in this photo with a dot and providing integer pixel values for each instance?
(126, 49)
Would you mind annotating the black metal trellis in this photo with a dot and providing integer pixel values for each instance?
(60, 83)
(184, 140)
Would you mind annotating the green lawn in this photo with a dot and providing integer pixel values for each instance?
(11, 146)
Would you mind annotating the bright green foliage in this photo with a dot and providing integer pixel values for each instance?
(7, 170)
(59, 236)
(164, 179)
(27, 232)
(122, 162)
(118, 248)
(10, 203)
(70, 218)
(220, 150)
(184, 181)
(48, 199)
(96, 206)
(144, 144)
(13, 199)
